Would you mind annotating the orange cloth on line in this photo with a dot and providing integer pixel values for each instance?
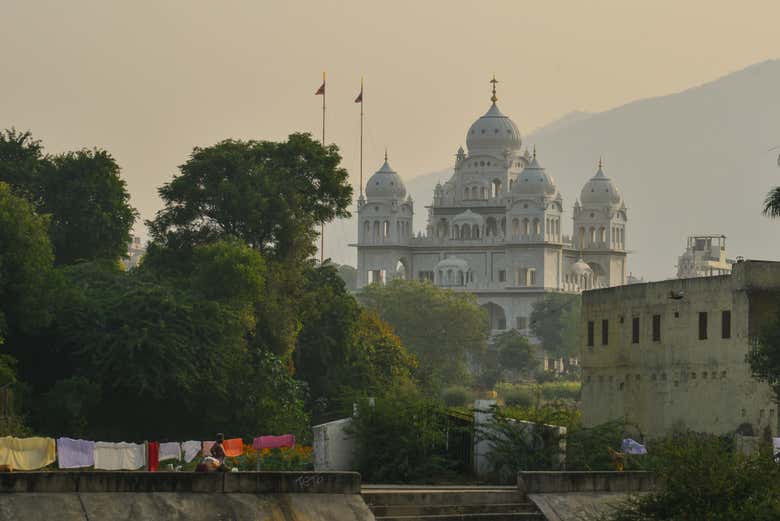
(233, 447)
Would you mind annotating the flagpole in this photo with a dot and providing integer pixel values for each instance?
(361, 137)
(322, 224)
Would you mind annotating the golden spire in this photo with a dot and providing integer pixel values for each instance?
(600, 163)
(493, 98)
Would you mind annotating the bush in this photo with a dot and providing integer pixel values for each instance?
(704, 477)
(561, 390)
(457, 396)
(518, 395)
(403, 439)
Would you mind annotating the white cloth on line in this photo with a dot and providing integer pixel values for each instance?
(191, 449)
(119, 456)
(775, 446)
(170, 450)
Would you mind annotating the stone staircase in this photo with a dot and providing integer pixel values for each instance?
(407, 503)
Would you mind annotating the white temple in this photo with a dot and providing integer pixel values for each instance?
(494, 229)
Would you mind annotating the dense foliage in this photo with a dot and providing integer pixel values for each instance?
(764, 356)
(440, 327)
(226, 326)
(704, 477)
(555, 322)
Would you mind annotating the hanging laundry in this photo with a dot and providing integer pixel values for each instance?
(233, 447)
(74, 454)
(274, 442)
(26, 453)
(170, 450)
(775, 446)
(191, 449)
(630, 446)
(153, 455)
(207, 448)
(119, 456)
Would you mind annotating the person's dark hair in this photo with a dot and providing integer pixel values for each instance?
(220, 437)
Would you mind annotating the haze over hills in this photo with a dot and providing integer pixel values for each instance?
(696, 161)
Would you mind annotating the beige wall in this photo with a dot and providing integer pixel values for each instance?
(679, 381)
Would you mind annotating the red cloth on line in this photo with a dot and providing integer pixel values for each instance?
(321, 90)
(154, 455)
(233, 447)
(274, 442)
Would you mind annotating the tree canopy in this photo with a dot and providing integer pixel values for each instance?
(270, 195)
(440, 327)
(555, 322)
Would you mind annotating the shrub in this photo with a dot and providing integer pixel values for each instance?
(561, 390)
(403, 438)
(518, 395)
(456, 396)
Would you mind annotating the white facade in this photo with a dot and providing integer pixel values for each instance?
(494, 228)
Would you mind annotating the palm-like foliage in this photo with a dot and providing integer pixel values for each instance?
(772, 203)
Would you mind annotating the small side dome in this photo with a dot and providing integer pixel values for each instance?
(386, 183)
(600, 191)
(534, 180)
(580, 268)
(468, 217)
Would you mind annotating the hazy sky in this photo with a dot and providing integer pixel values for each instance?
(148, 80)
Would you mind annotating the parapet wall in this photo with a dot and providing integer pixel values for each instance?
(566, 482)
(186, 482)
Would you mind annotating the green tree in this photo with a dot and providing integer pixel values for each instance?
(21, 158)
(272, 196)
(704, 477)
(514, 351)
(441, 328)
(25, 264)
(344, 352)
(772, 203)
(555, 322)
(91, 216)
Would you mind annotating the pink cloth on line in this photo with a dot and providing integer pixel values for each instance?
(274, 442)
(206, 451)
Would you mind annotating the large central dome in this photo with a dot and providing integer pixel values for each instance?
(493, 133)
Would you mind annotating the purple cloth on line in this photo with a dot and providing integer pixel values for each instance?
(73, 454)
(274, 442)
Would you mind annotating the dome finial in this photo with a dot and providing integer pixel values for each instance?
(493, 98)
(601, 162)
(534, 151)
(385, 154)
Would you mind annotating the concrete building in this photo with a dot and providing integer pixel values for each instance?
(494, 228)
(704, 256)
(671, 354)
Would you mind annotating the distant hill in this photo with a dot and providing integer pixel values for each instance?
(692, 162)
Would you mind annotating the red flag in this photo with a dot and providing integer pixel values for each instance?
(321, 90)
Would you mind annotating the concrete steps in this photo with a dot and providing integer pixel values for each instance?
(449, 504)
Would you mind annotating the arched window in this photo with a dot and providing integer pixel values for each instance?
(524, 229)
(367, 230)
(442, 229)
(503, 225)
(515, 227)
(491, 228)
(455, 231)
(495, 188)
(592, 235)
(460, 278)
(475, 232)
(465, 232)
(582, 236)
(376, 231)
(386, 229)
(449, 276)
(622, 238)
(482, 193)
(558, 228)
(537, 230)
(602, 235)
(441, 277)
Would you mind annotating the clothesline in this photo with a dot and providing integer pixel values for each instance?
(38, 452)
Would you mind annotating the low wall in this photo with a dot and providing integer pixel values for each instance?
(185, 482)
(564, 482)
(185, 496)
